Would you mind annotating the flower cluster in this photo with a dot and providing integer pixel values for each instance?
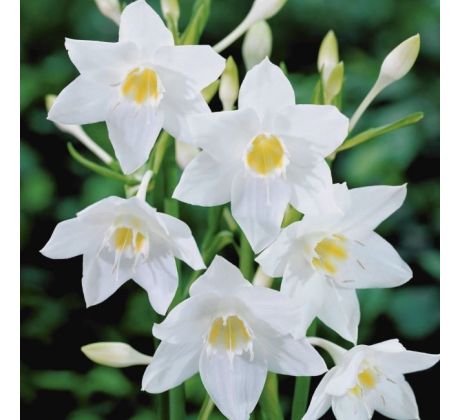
(267, 159)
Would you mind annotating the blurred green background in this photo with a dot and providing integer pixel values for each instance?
(57, 381)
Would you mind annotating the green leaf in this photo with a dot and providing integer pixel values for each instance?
(99, 169)
(109, 381)
(415, 311)
(269, 400)
(197, 23)
(430, 262)
(379, 131)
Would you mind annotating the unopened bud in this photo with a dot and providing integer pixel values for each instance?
(399, 61)
(115, 354)
(170, 8)
(229, 85)
(110, 9)
(257, 44)
(328, 55)
(333, 85)
(264, 9)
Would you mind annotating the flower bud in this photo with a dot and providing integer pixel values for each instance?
(399, 61)
(334, 83)
(229, 85)
(171, 8)
(115, 354)
(264, 9)
(257, 44)
(110, 9)
(328, 55)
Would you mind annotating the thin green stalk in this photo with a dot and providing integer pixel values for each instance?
(206, 408)
(177, 403)
(246, 258)
(269, 400)
(161, 406)
(302, 387)
(214, 216)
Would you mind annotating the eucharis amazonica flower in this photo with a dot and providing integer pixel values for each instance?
(268, 153)
(122, 239)
(329, 254)
(232, 333)
(138, 85)
(370, 378)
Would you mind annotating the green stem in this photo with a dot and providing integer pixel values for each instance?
(302, 387)
(162, 406)
(177, 403)
(269, 400)
(206, 408)
(246, 258)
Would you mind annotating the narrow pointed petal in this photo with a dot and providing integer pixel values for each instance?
(397, 400)
(140, 24)
(133, 131)
(182, 241)
(349, 408)
(83, 101)
(235, 386)
(266, 90)
(370, 206)
(406, 361)
(258, 205)
(159, 278)
(199, 63)
(205, 182)
(162, 375)
(71, 238)
(320, 401)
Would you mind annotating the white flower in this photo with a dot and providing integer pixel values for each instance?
(368, 379)
(122, 239)
(328, 255)
(263, 156)
(138, 85)
(232, 333)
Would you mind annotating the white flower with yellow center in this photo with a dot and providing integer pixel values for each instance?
(138, 85)
(122, 239)
(329, 254)
(268, 153)
(232, 333)
(370, 378)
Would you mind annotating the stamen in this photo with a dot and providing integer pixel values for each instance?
(266, 154)
(141, 85)
(329, 252)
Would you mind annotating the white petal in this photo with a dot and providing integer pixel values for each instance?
(183, 243)
(205, 182)
(349, 408)
(221, 277)
(396, 400)
(225, 135)
(101, 279)
(140, 24)
(133, 131)
(266, 90)
(83, 101)
(159, 278)
(199, 63)
(171, 365)
(71, 238)
(189, 320)
(372, 262)
(105, 62)
(312, 188)
(101, 212)
(288, 356)
(319, 129)
(388, 346)
(181, 99)
(235, 386)
(406, 361)
(372, 205)
(320, 401)
(275, 258)
(258, 205)
(340, 311)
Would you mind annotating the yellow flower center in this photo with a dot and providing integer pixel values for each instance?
(229, 333)
(366, 380)
(141, 85)
(330, 251)
(126, 239)
(266, 154)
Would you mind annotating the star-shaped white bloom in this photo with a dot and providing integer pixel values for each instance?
(232, 333)
(138, 85)
(329, 254)
(370, 378)
(122, 239)
(263, 156)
